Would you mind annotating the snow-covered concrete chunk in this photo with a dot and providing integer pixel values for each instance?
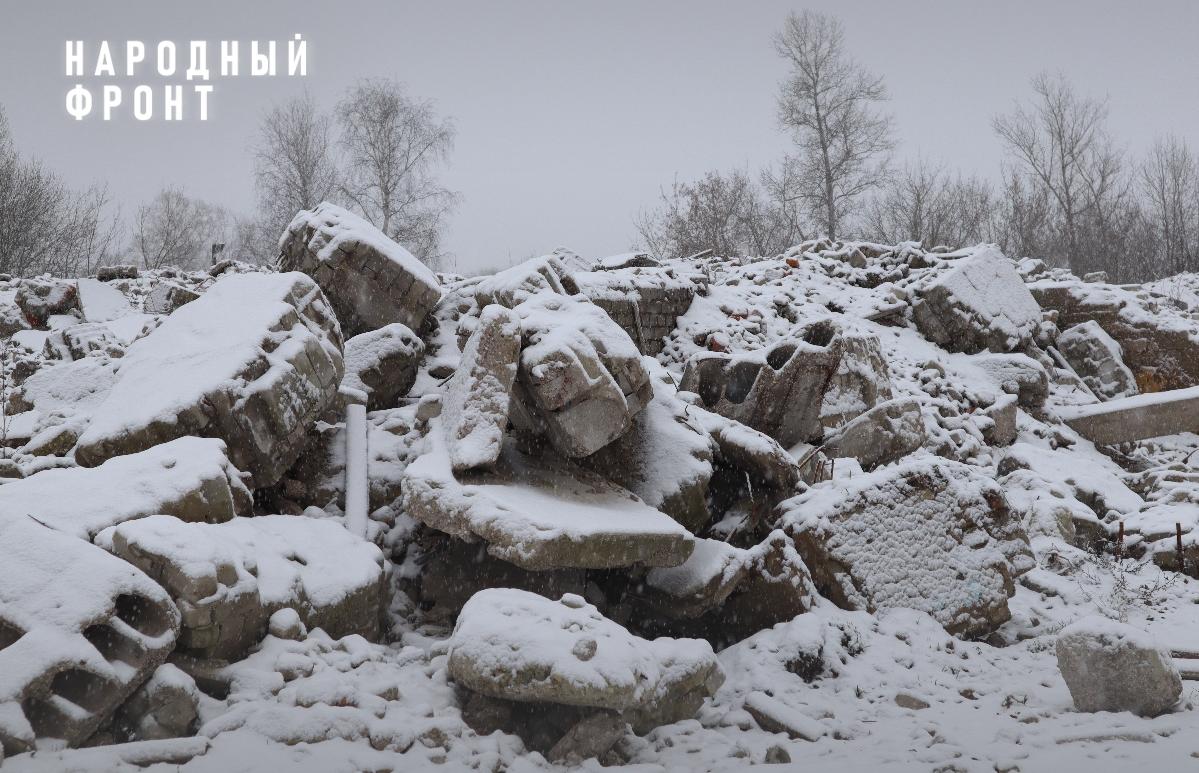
(936, 536)
(1111, 666)
(980, 303)
(229, 578)
(541, 513)
(190, 478)
(474, 411)
(253, 361)
(370, 280)
(79, 631)
(1098, 360)
(778, 391)
(581, 380)
(382, 363)
(519, 646)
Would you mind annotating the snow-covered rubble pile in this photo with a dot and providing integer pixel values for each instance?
(826, 507)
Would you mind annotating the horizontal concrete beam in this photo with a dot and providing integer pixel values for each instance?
(1137, 417)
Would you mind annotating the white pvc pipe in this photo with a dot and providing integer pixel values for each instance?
(357, 498)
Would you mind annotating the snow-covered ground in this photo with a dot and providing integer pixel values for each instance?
(882, 689)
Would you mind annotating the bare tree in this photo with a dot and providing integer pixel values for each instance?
(394, 145)
(1061, 142)
(924, 203)
(726, 213)
(44, 224)
(294, 165)
(1170, 181)
(829, 103)
(170, 231)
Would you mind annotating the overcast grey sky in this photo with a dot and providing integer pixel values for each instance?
(571, 115)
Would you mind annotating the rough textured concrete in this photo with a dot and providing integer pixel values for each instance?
(778, 392)
(370, 280)
(79, 631)
(258, 388)
(1110, 666)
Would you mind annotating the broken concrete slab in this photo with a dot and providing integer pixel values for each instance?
(1135, 418)
(369, 279)
(1160, 344)
(382, 364)
(165, 706)
(861, 381)
(977, 303)
(229, 578)
(541, 513)
(190, 478)
(79, 631)
(929, 534)
(581, 380)
(645, 301)
(474, 410)
(522, 647)
(516, 284)
(665, 458)
(41, 298)
(166, 296)
(883, 434)
(1098, 360)
(778, 391)
(1017, 374)
(254, 362)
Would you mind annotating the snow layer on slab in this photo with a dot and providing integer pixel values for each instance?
(70, 387)
(252, 360)
(101, 302)
(517, 645)
(338, 229)
(296, 561)
(189, 477)
(541, 513)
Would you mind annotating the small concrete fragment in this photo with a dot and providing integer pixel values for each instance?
(369, 279)
(778, 391)
(111, 273)
(1019, 375)
(883, 434)
(168, 296)
(474, 411)
(512, 286)
(382, 363)
(1098, 360)
(78, 341)
(165, 706)
(1111, 666)
(41, 298)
